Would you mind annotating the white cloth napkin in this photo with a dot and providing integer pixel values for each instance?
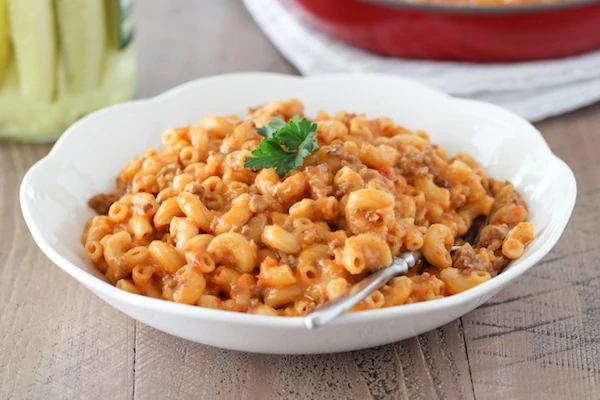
(534, 90)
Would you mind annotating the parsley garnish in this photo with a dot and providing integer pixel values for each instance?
(285, 146)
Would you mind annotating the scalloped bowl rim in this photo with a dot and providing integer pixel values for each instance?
(119, 295)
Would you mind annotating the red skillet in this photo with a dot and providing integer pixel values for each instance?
(462, 33)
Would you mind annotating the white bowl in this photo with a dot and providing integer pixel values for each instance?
(88, 157)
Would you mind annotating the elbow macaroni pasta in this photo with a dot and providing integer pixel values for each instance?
(191, 225)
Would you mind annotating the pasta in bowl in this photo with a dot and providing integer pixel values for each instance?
(193, 223)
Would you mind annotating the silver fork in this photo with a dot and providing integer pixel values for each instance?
(331, 310)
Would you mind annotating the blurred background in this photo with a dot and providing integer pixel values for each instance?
(61, 59)
(539, 338)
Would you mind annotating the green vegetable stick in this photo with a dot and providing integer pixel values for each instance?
(4, 38)
(82, 34)
(32, 30)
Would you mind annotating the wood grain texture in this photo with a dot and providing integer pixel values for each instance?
(539, 338)
(57, 339)
(430, 366)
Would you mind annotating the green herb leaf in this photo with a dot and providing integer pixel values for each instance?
(295, 132)
(271, 127)
(269, 154)
(280, 138)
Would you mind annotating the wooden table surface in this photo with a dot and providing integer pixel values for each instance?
(538, 339)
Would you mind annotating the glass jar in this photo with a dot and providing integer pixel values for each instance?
(60, 60)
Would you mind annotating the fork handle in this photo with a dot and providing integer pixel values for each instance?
(333, 309)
